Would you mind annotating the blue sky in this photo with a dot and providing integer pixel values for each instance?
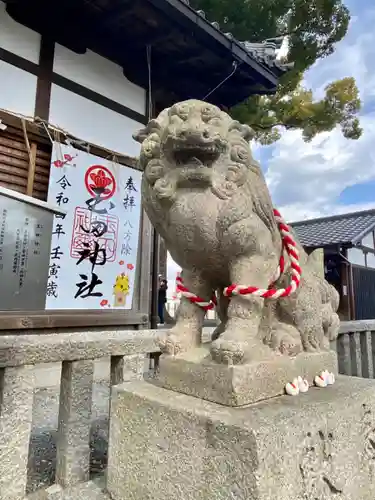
(330, 174)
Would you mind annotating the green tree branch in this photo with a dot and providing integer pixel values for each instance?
(313, 28)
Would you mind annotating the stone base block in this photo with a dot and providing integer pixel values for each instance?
(195, 374)
(316, 446)
(92, 490)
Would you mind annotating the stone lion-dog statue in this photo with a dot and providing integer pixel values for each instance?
(207, 197)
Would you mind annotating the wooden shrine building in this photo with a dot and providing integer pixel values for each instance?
(77, 79)
(348, 241)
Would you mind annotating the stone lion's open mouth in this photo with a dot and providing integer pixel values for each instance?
(205, 155)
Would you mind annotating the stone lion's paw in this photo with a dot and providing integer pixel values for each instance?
(286, 344)
(169, 345)
(292, 388)
(228, 352)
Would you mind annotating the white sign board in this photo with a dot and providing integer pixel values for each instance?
(94, 246)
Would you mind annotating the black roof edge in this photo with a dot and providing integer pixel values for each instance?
(331, 246)
(370, 211)
(240, 53)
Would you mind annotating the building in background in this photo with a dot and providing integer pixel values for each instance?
(349, 258)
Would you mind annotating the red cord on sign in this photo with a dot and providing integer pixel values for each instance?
(291, 249)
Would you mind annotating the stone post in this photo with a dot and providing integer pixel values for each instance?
(367, 355)
(356, 354)
(16, 408)
(124, 368)
(343, 354)
(73, 445)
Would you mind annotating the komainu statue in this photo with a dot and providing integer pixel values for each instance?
(207, 197)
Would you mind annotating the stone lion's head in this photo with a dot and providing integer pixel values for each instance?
(195, 145)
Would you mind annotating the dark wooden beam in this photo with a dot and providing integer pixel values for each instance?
(44, 83)
(110, 17)
(37, 133)
(30, 320)
(46, 77)
(82, 91)
(18, 62)
(38, 16)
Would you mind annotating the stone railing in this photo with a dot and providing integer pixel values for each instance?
(128, 353)
(25, 359)
(355, 348)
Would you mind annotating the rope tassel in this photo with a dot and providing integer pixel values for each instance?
(290, 247)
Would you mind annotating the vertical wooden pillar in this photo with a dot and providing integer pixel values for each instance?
(145, 266)
(351, 293)
(150, 113)
(155, 280)
(31, 172)
(345, 283)
(163, 258)
(44, 82)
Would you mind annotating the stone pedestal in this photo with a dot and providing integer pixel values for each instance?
(166, 445)
(195, 374)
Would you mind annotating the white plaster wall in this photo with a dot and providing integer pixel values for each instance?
(17, 90)
(100, 75)
(18, 39)
(92, 122)
(356, 256)
(368, 241)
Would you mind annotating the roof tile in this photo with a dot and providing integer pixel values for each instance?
(339, 229)
(263, 52)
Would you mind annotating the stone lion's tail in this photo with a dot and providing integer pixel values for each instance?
(331, 320)
(329, 294)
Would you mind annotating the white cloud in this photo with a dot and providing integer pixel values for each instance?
(306, 179)
(354, 56)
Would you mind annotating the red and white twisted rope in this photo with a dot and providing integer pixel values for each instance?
(291, 249)
(195, 299)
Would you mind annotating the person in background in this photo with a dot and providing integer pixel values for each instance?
(162, 298)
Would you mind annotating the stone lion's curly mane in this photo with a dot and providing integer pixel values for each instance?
(236, 172)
